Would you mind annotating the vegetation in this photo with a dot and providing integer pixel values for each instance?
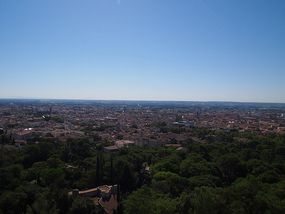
(221, 175)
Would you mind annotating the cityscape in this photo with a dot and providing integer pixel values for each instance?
(81, 145)
(140, 122)
(142, 107)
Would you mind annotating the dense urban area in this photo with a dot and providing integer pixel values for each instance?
(63, 156)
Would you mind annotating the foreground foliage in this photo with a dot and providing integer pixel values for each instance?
(216, 176)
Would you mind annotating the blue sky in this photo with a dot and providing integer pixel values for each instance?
(203, 50)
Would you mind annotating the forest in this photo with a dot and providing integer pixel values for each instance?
(223, 174)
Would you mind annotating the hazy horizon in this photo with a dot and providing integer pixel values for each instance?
(187, 50)
(136, 100)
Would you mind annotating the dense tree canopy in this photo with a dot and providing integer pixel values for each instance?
(218, 175)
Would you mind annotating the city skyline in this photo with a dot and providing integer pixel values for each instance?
(196, 50)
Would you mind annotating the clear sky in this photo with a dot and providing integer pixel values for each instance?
(206, 50)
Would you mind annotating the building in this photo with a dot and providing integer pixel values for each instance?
(111, 149)
(105, 196)
(20, 143)
(118, 145)
(185, 123)
(124, 143)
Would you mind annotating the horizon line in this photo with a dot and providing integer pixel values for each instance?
(140, 100)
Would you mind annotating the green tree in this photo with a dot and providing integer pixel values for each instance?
(169, 183)
(145, 200)
(13, 202)
(207, 200)
(124, 175)
(81, 205)
(231, 167)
